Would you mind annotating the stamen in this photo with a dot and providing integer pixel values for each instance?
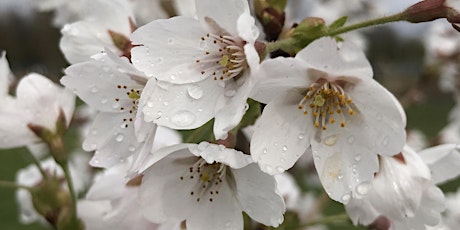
(327, 100)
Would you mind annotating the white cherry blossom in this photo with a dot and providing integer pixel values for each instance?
(413, 201)
(203, 66)
(208, 186)
(101, 23)
(112, 86)
(112, 202)
(325, 98)
(38, 101)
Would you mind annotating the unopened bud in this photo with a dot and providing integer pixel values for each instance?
(430, 10)
(121, 42)
(67, 220)
(48, 198)
(271, 15)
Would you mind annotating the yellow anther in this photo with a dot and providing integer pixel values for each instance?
(300, 106)
(324, 127)
(133, 95)
(332, 121)
(351, 112)
(342, 124)
(315, 114)
(316, 124)
(305, 112)
(224, 61)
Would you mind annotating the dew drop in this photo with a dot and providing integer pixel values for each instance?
(170, 41)
(246, 107)
(104, 100)
(94, 89)
(203, 145)
(268, 169)
(195, 92)
(331, 140)
(351, 139)
(346, 198)
(221, 147)
(340, 176)
(131, 148)
(358, 157)
(159, 60)
(284, 148)
(183, 118)
(158, 115)
(362, 188)
(165, 103)
(301, 136)
(265, 151)
(173, 76)
(279, 169)
(119, 138)
(149, 104)
(221, 84)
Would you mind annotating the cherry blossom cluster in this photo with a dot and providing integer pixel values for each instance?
(196, 118)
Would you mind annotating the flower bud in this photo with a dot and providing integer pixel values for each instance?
(430, 10)
(48, 198)
(271, 15)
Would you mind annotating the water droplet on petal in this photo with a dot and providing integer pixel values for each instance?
(358, 157)
(340, 176)
(131, 148)
(104, 100)
(203, 145)
(119, 137)
(268, 169)
(346, 198)
(265, 151)
(195, 92)
(149, 104)
(362, 188)
(246, 107)
(279, 169)
(183, 118)
(158, 115)
(331, 140)
(222, 147)
(170, 41)
(165, 103)
(284, 148)
(173, 76)
(301, 136)
(351, 139)
(94, 89)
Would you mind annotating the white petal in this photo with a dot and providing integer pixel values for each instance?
(277, 77)
(222, 213)
(230, 108)
(43, 100)
(343, 161)
(110, 138)
(443, 161)
(258, 195)
(224, 13)
(162, 176)
(85, 38)
(338, 60)
(383, 117)
(13, 126)
(247, 29)
(5, 74)
(107, 188)
(185, 106)
(169, 49)
(282, 134)
(212, 153)
(97, 83)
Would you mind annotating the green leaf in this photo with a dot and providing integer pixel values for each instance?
(338, 23)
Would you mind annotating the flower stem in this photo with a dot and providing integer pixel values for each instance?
(39, 166)
(369, 23)
(326, 220)
(8, 184)
(73, 196)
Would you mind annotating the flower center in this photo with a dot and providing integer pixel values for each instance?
(130, 103)
(207, 179)
(327, 102)
(224, 57)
